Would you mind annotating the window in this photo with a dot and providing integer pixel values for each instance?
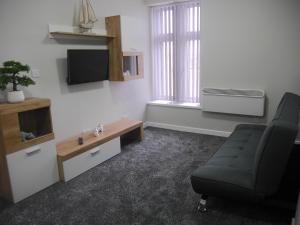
(175, 31)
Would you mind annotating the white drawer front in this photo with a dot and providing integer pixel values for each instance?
(87, 160)
(32, 169)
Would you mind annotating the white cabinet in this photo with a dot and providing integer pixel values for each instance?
(132, 30)
(32, 169)
(87, 160)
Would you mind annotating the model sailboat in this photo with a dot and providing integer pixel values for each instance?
(87, 16)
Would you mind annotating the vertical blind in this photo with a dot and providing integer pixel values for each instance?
(175, 31)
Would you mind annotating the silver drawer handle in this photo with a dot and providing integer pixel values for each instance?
(94, 152)
(32, 151)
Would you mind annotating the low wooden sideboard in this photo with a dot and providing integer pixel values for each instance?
(74, 159)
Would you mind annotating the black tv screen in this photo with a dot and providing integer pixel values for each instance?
(87, 65)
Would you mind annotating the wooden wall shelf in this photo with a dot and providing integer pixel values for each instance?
(80, 35)
(125, 63)
(117, 56)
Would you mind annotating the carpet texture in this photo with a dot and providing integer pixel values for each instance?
(148, 183)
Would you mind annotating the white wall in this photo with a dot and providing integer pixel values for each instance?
(244, 44)
(24, 37)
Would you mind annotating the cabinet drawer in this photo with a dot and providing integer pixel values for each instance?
(32, 169)
(87, 160)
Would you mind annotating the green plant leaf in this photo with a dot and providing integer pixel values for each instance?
(4, 80)
(9, 73)
(24, 81)
(17, 66)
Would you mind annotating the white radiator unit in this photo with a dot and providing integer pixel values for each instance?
(233, 101)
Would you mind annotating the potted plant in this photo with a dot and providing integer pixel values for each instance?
(9, 74)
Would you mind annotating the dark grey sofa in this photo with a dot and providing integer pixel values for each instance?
(251, 163)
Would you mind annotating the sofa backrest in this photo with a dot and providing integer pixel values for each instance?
(276, 144)
(272, 156)
(288, 108)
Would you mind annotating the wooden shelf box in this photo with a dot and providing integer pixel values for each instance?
(27, 165)
(133, 65)
(122, 50)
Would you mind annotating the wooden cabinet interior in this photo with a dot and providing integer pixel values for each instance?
(133, 65)
(31, 116)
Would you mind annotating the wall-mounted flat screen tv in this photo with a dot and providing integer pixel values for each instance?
(87, 65)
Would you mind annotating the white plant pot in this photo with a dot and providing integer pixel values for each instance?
(15, 96)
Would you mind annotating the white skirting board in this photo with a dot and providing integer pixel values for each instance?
(197, 130)
(188, 129)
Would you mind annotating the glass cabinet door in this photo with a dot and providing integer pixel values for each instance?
(132, 65)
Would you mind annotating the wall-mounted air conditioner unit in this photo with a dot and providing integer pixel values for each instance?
(233, 101)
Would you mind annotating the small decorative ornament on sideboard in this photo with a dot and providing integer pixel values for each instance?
(98, 130)
(87, 17)
(10, 74)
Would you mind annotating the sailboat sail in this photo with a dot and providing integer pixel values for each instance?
(87, 16)
(82, 18)
(92, 17)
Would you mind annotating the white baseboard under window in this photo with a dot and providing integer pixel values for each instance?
(187, 129)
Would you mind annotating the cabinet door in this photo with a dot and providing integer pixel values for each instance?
(32, 169)
(132, 34)
(87, 160)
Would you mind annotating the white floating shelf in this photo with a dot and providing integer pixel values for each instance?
(71, 32)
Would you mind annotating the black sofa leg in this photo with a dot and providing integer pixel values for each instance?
(202, 204)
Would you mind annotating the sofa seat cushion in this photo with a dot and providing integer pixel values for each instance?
(224, 182)
(238, 151)
(230, 170)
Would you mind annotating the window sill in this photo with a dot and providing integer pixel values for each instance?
(175, 104)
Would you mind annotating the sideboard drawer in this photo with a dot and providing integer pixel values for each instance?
(32, 169)
(87, 160)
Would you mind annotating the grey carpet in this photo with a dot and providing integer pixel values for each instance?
(148, 183)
